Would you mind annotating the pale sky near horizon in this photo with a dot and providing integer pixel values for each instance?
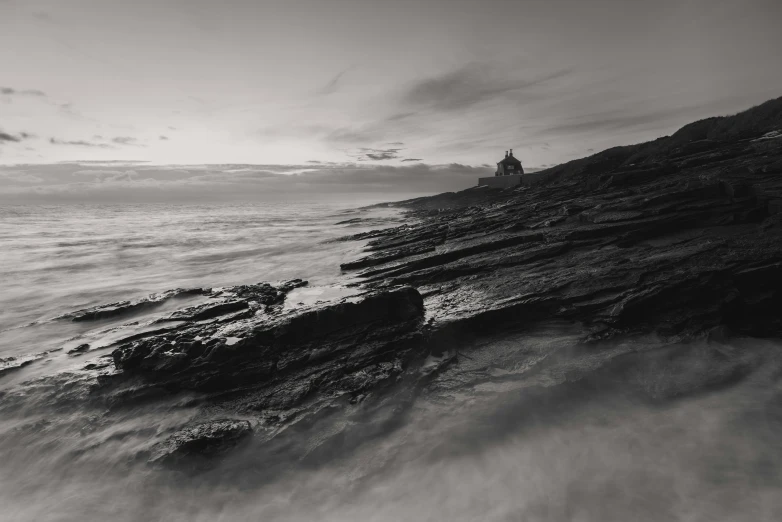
(363, 82)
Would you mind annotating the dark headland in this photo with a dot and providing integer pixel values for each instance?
(680, 238)
(676, 236)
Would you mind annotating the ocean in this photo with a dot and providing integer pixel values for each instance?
(57, 259)
(527, 426)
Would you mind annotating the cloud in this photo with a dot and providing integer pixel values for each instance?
(470, 85)
(107, 176)
(332, 85)
(412, 159)
(163, 138)
(80, 143)
(367, 154)
(4, 136)
(19, 176)
(68, 110)
(95, 163)
(83, 182)
(9, 91)
(400, 116)
(126, 140)
(601, 123)
(621, 117)
(351, 136)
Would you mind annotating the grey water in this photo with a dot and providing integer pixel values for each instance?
(525, 426)
(57, 259)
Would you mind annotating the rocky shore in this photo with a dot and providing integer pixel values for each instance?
(680, 238)
(677, 236)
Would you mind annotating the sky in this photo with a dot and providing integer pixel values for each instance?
(402, 96)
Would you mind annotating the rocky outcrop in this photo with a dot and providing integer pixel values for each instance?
(202, 441)
(673, 236)
(266, 348)
(10, 364)
(259, 359)
(79, 350)
(128, 307)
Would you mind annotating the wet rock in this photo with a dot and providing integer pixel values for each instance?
(197, 444)
(79, 350)
(208, 310)
(663, 236)
(265, 293)
(310, 348)
(388, 256)
(127, 307)
(10, 364)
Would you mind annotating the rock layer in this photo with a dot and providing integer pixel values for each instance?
(204, 441)
(264, 348)
(681, 237)
(673, 236)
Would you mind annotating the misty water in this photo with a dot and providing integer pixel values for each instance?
(526, 426)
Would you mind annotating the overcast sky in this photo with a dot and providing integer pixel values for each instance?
(367, 83)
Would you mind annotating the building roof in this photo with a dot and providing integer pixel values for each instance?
(510, 160)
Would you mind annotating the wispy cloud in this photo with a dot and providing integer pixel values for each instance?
(412, 159)
(368, 154)
(352, 136)
(333, 84)
(4, 136)
(100, 162)
(21, 177)
(80, 143)
(471, 84)
(10, 91)
(627, 116)
(126, 140)
(107, 176)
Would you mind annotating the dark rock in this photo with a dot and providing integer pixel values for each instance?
(207, 311)
(265, 293)
(265, 350)
(127, 307)
(203, 442)
(79, 350)
(386, 257)
(661, 236)
(9, 364)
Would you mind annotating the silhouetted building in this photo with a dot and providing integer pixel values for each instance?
(509, 165)
(510, 174)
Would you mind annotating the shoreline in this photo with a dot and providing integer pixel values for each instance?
(683, 248)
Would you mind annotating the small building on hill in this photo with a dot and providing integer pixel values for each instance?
(509, 166)
(510, 173)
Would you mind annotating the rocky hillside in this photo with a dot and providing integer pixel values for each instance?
(676, 236)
